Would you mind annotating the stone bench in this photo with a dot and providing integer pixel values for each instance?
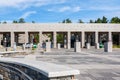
(46, 71)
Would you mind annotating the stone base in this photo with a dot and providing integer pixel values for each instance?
(65, 46)
(108, 47)
(97, 45)
(88, 45)
(58, 46)
(23, 46)
(77, 47)
(48, 46)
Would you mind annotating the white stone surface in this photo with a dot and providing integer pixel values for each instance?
(47, 69)
(77, 46)
(23, 46)
(54, 39)
(30, 57)
(59, 27)
(14, 46)
(88, 45)
(108, 46)
(96, 37)
(48, 46)
(12, 39)
(83, 39)
(68, 40)
(97, 45)
(58, 45)
(1, 76)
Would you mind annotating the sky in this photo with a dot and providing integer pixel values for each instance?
(54, 11)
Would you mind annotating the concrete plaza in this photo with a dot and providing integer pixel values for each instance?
(94, 64)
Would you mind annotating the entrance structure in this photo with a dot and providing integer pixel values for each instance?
(86, 33)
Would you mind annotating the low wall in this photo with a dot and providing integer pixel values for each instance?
(36, 70)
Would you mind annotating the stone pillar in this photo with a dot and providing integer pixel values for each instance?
(54, 39)
(40, 38)
(108, 46)
(96, 37)
(68, 40)
(96, 40)
(110, 36)
(26, 37)
(58, 46)
(65, 41)
(77, 47)
(97, 46)
(12, 38)
(48, 46)
(83, 39)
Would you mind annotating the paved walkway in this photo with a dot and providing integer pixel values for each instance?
(93, 64)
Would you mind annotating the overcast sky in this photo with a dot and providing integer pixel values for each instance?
(47, 11)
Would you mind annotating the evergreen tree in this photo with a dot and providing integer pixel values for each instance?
(91, 21)
(80, 21)
(98, 20)
(115, 20)
(4, 22)
(21, 20)
(104, 19)
(67, 21)
(33, 21)
(14, 21)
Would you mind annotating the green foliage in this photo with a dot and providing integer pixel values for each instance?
(104, 20)
(4, 22)
(33, 21)
(115, 20)
(91, 21)
(80, 21)
(98, 20)
(60, 38)
(14, 21)
(67, 21)
(116, 46)
(21, 20)
(36, 36)
(50, 36)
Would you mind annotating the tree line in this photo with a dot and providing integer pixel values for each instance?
(98, 20)
(21, 20)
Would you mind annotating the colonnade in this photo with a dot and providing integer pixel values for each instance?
(68, 38)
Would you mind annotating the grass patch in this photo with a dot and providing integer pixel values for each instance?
(116, 46)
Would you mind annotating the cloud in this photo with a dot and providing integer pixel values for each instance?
(23, 4)
(25, 15)
(104, 8)
(76, 9)
(65, 8)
